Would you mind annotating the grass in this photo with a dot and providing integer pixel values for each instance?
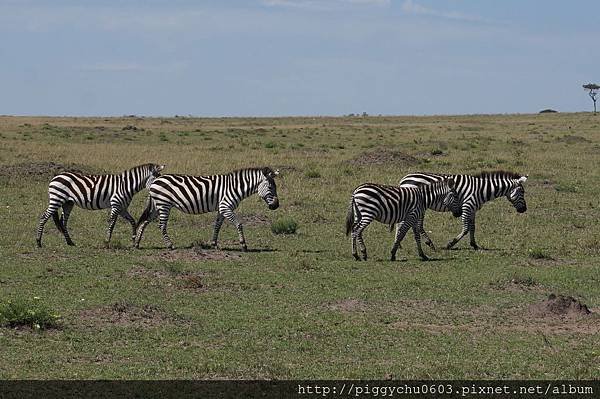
(285, 225)
(27, 312)
(299, 306)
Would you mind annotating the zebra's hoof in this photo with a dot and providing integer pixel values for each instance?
(70, 243)
(356, 257)
(424, 258)
(475, 246)
(393, 258)
(39, 243)
(171, 247)
(244, 248)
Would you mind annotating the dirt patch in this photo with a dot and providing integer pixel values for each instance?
(189, 280)
(559, 306)
(572, 139)
(254, 220)
(124, 314)
(381, 157)
(349, 306)
(43, 170)
(194, 255)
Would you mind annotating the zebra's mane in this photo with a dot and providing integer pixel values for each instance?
(265, 169)
(498, 174)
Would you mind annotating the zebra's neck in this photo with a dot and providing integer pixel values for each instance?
(245, 182)
(491, 188)
(134, 180)
(433, 194)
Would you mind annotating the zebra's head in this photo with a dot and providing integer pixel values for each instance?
(516, 195)
(153, 172)
(267, 189)
(452, 200)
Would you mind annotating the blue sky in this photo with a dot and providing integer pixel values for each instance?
(296, 57)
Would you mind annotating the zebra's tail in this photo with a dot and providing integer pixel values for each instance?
(147, 214)
(58, 222)
(350, 217)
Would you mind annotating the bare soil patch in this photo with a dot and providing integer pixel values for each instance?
(380, 157)
(559, 306)
(124, 314)
(572, 139)
(349, 306)
(43, 170)
(189, 280)
(254, 220)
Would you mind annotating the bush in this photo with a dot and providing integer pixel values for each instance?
(538, 253)
(27, 312)
(312, 174)
(285, 225)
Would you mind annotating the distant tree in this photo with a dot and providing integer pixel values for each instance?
(593, 92)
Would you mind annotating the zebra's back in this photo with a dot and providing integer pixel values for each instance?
(189, 194)
(387, 204)
(87, 191)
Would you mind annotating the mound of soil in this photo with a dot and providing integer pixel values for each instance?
(254, 220)
(380, 157)
(124, 314)
(559, 306)
(572, 139)
(43, 170)
(548, 111)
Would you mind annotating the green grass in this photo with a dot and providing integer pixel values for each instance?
(285, 225)
(27, 312)
(298, 305)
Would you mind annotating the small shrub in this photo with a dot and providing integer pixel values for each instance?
(312, 174)
(285, 225)
(27, 312)
(269, 144)
(527, 281)
(538, 253)
(437, 152)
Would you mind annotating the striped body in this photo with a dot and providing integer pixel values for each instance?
(201, 194)
(473, 191)
(391, 204)
(94, 192)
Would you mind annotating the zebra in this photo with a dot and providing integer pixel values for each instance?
(393, 204)
(474, 191)
(201, 194)
(95, 192)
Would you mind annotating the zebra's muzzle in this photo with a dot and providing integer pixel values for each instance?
(275, 204)
(522, 209)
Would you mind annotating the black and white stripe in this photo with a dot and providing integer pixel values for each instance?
(391, 204)
(95, 192)
(474, 191)
(201, 194)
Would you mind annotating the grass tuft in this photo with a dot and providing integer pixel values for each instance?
(284, 225)
(27, 312)
(538, 253)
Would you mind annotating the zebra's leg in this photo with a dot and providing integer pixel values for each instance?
(472, 233)
(142, 227)
(401, 230)
(417, 233)
(67, 208)
(218, 223)
(127, 216)
(466, 217)
(112, 220)
(49, 212)
(163, 218)
(427, 239)
(229, 215)
(357, 231)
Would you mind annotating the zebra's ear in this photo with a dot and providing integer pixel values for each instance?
(276, 173)
(523, 179)
(451, 184)
(160, 167)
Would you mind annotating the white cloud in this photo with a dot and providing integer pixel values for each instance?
(411, 7)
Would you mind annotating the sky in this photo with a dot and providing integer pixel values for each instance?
(296, 57)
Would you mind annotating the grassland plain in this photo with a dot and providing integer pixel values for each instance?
(299, 306)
